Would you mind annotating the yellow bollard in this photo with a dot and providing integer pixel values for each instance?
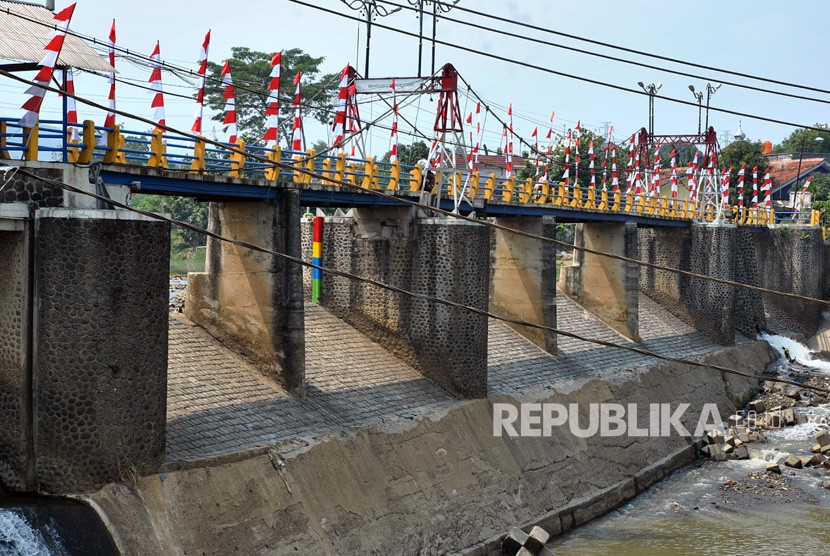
(603, 201)
(84, 156)
(475, 182)
(158, 151)
(370, 169)
(272, 173)
(340, 168)
(31, 142)
(237, 160)
(4, 153)
(394, 176)
(198, 164)
(507, 189)
(490, 187)
(416, 178)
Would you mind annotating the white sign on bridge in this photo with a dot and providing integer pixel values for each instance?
(403, 85)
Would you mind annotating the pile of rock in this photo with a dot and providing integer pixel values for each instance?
(787, 395)
(731, 443)
(819, 459)
(519, 543)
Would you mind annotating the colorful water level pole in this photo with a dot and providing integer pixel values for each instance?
(317, 259)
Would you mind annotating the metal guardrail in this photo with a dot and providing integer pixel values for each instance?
(157, 149)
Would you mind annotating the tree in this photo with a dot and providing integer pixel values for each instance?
(820, 188)
(410, 154)
(736, 154)
(251, 74)
(793, 143)
(180, 208)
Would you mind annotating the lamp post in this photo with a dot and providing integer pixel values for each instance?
(371, 10)
(651, 90)
(420, 5)
(818, 141)
(710, 91)
(699, 96)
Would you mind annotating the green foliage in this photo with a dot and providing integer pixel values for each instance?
(736, 154)
(251, 72)
(820, 188)
(557, 162)
(807, 138)
(180, 208)
(410, 154)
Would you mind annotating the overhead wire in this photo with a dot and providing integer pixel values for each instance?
(560, 73)
(606, 56)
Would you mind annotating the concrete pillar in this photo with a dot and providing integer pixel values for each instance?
(608, 288)
(250, 300)
(705, 249)
(523, 277)
(791, 260)
(16, 442)
(437, 257)
(99, 356)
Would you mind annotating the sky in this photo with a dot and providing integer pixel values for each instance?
(778, 40)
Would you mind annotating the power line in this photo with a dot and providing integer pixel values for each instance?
(416, 295)
(563, 74)
(608, 57)
(297, 167)
(525, 25)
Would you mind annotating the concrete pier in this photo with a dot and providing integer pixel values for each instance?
(606, 287)
(251, 300)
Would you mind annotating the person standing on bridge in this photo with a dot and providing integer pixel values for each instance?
(428, 180)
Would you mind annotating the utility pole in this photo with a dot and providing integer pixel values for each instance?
(699, 97)
(371, 10)
(651, 91)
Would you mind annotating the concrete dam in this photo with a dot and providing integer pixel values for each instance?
(258, 421)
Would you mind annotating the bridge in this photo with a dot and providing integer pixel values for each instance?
(84, 323)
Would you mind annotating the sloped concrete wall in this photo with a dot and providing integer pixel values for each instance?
(434, 486)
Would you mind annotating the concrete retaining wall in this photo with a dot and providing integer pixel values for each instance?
(100, 362)
(791, 260)
(83, 349)
(708, 250)
(445, 258)
(435, 486)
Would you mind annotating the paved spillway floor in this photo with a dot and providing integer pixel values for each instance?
(219, 404)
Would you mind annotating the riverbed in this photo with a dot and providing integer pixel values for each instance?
(718, 507)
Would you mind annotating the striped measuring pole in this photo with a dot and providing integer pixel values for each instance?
(317, 259)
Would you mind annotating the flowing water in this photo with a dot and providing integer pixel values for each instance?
(690, 513)
(43, 527)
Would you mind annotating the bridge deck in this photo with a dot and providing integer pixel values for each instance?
(219, 405)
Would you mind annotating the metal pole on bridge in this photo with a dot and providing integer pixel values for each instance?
(317, 259)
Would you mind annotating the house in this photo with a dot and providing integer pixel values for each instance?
(785, 174)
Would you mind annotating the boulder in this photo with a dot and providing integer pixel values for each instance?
(823, 438)
(716, 452)
(788, 416)
(794, 462)
(514, 541)
(813, 461)
(774, 468)
(816, 448)
(735, 420)
(744, 438)
(758, 406)
(825, 484)
(742, 452)
(536, 540)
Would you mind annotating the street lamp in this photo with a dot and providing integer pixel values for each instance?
(437, 6)
(651, 91)
(371, 10)
(710, 91)
(699, 96)
(818, 141)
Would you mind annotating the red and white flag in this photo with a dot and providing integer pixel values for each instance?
(71, 106)
(340, 107)
(755, 187)
(674, 176)
(200, 94)
(654, 190)
(47, 68)
(272, 110)
(508, 151)
(766, 189)
(110, 119)
(393, 149)
(741, 173)
(229, 94)
(615, 177)
(297, 139)
(156, 87)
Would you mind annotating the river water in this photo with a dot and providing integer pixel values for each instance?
(694, 511)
